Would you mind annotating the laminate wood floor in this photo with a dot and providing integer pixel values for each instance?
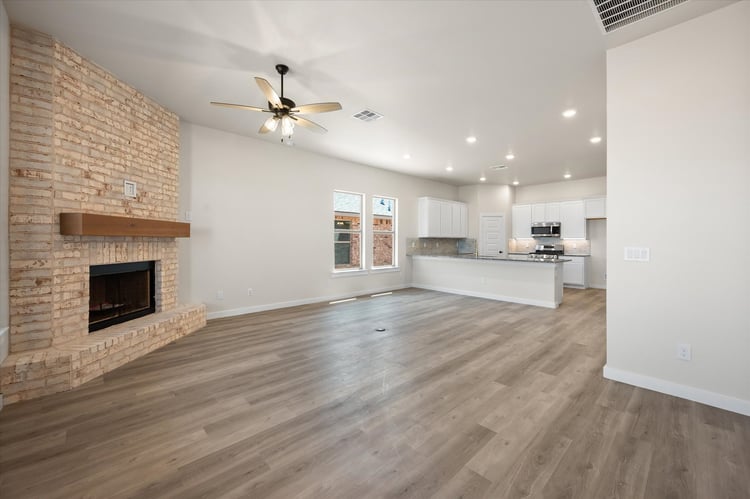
(458, 397)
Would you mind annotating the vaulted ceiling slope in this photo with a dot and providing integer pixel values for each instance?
(437, 71)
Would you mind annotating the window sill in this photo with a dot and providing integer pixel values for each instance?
(348, 273)
(383, 270)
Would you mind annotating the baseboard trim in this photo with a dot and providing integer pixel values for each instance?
(713, 399)
(220, 314)
(598, 286)
(488, 296)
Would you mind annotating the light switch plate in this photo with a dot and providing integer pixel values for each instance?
(633, 254)
(130, 189)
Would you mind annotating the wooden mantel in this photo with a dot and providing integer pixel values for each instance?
(87, 224)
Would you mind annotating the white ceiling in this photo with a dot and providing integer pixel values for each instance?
(438, 71)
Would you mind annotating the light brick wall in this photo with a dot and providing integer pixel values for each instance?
(77, 133)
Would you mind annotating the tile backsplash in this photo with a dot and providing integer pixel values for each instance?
(439, 246)
(572, 246)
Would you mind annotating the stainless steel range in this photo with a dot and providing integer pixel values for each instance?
(547, 252)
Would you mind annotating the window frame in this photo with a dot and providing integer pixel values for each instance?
(394, 231)
(362, 216)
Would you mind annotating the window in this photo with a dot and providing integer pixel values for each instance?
(383, 232)
(347, 230)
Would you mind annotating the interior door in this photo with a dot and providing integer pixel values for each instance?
(492, 235)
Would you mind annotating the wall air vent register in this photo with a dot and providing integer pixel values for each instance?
(615, 14)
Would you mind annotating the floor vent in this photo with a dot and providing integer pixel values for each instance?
(367, 115)
(615, 14)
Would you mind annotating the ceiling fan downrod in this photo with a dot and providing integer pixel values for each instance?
(282, 69)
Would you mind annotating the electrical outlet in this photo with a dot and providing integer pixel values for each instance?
(413, 244)
(219, 294)
(188, 216)
(684, 351)
(249, 291)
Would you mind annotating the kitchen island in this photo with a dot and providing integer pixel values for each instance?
(510, 278)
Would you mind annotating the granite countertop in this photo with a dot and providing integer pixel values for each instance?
(509, 258)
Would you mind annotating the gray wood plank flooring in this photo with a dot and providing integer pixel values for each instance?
(459, 397)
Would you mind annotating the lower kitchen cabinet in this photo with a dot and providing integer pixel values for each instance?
(574, 271)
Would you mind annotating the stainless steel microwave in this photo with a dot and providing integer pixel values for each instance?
(545, 229)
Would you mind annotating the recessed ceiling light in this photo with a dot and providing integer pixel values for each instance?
(515, 182)
(482, 179)
(569, 113)
(471, 139)
(449, 168)
(595, 140)
(407, 156)
(567, 175)
(509, 156)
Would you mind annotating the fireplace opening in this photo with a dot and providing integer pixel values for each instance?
(120, 292)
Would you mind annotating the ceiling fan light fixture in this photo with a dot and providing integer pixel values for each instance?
(287, 126)
(272, 123)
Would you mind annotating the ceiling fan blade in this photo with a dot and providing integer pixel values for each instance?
(240, 106)
(321, 107)
(308, 124)
(269, 92)
(269, 125)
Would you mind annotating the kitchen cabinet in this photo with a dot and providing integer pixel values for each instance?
(595, 207)
(573, 220)
(545, 212)
(442, 218)
(552, 212)
(574, 271)
(521, 221)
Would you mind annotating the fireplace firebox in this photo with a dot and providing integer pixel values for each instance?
(120, 292)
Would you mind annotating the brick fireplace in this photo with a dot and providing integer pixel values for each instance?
(77, 133)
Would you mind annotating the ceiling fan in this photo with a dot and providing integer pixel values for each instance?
(284, 110)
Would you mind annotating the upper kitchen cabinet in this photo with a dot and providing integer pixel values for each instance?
(573, 220)
(521, 221)
(596, 207)
(442, 218)
(545, 212)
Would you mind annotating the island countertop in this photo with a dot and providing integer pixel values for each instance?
(508, 258)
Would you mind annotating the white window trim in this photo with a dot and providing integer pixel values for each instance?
(363, 239)
(387, 268)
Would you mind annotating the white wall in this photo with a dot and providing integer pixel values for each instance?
(4, 158)
(262, 218)
(483, 198)
(678, 159)
(561, 191)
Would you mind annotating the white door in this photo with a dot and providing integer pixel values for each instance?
(492, 235)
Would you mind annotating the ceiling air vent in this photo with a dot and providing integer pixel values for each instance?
(367, 115)
(615, 14)
(498, 167)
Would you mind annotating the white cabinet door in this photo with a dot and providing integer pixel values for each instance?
(464, 220)
(573, 220)
(552, 212)
(429, 218)
(596, 207)
(574, 272)
(538, 213)
(521, 221)
(446, 219)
